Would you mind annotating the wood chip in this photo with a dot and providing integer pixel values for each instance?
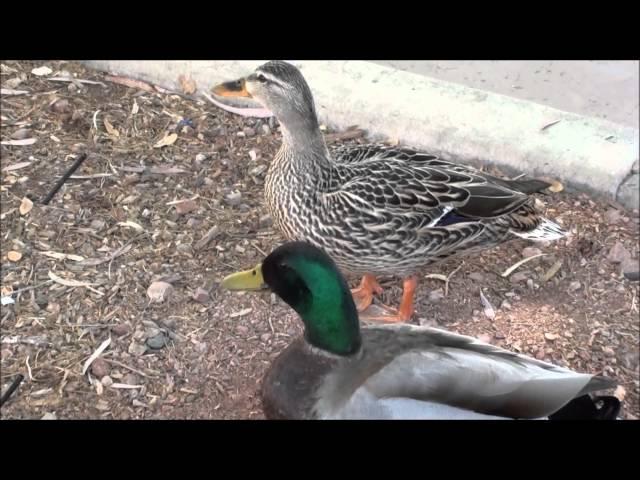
(110, 129)
(42, 71)
(19, 143)
(241, 313)
(159, 291)
(187, 84)
(210, 235)
(552, 271)
(169, 139)
(11, 92)
(131, 224)
(16, 166)
(62, 256)
(125, 386)
(25, 206)
(14, 256)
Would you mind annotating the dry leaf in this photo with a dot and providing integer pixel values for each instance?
(110, 130)
(16, 166)
(167, 140)
(19, 143)
(159, 291)
(135, 108)
(14, 256)
(187, 84)
(186, 206)
(551, 336)
(25, 206)
(42, 71)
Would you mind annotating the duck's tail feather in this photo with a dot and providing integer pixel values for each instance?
(586, 408)
(546, 231)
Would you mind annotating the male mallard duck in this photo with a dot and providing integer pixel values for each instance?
(338, 370)
(379, 210)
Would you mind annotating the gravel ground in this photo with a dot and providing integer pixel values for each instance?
(123, 264)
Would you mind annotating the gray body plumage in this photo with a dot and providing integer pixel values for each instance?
(412, 372)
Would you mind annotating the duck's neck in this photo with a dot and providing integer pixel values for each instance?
(303, 139)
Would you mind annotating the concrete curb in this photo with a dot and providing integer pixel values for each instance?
(456, 122)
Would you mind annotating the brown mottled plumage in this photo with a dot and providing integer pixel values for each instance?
(377, 209)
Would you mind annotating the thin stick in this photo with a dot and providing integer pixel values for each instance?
(115, 362)
(29, 368)
(25, 289)
(12, 388)
(64, 178)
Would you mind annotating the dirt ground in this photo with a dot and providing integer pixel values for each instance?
(78, 270)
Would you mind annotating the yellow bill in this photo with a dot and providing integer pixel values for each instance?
(247, 280)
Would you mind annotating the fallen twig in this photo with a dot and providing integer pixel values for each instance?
(550, 125)
(96, 354)
(130, 82)
(439, 276)
(25, 289)
(74, 80)
(115, 362)
(67, 174)
(512, 268)
(92, 262)
(348, 135)
(73, 283)
(12, 388)
(210, 235)
(35, 341)
(11, 91)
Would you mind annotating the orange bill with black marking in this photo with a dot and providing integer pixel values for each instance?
(237, 88)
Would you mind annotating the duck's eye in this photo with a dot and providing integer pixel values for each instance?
(261, 78)
(253, 272)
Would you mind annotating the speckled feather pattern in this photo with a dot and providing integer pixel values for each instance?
(372, 207)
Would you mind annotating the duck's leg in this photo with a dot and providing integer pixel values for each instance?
(363, 295)
(404, 313)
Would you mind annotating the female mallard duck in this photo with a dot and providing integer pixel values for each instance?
(376, 209)
(339, 370)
